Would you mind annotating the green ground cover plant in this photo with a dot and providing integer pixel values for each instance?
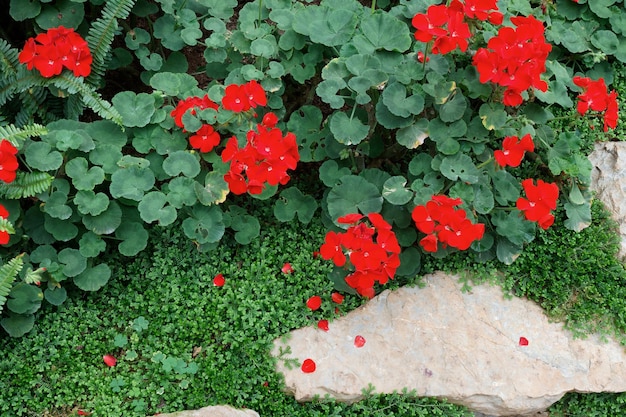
(406, 136)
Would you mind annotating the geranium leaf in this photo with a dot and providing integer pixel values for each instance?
(82, 177)
(414, 135)
(292, 202)
(410, 262)
(460, 166)
(24, 299)
(578, 216)
(64, 13)
(40, 156)
(205, 225)
(131, 182)
(17, 325)
(73, 262)
(330, 173)
(135, 109)
(153, 207)
(353, 194)
(91, 245)
(55, 296)
(214, 191)
(134, 238)
(55, 206)
(506, 251)
(106, 222)
(91, 203)
(92, 279)
(348, 130)
(382, 31)
(181, 192)
(246, 228)
(181, 162)
(394, 191)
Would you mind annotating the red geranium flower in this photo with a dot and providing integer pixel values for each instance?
(513, 150)
(286, 268)
(190, 104)
(323, 325)
(205, 139)
(314, 302)
(331, 249)
(255, 93)
(541, 200)
(8, 161)
(337, 298)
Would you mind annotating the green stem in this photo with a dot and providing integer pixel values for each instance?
(373, 5)
(484, 164)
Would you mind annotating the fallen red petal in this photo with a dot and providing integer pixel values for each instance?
(308, 366)
(337, 298)
(109, 360)
(359, 341)
(287, 268)
(314, 302)
(523, 341)
(219, 280)
(83, 413)
(323, 325)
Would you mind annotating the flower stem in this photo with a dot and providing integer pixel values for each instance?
(373, 5)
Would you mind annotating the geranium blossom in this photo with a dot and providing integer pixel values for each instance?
(238, 98)
(595, 97)
(371, 248)
(445, 224)
(205, 139)
(513, 150)
(191, 104)
(314, 302)
(8, 161)
(58, 48)
(4, 234)
(541, 200)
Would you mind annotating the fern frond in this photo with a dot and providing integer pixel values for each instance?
(26, 184)
(73, 107)
(8, 273)
(9, 61)
(16, 135)
(90, 97)
(22, 81)
(100, 37)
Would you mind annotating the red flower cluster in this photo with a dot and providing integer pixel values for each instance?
(446, 25)
(56, 49)
(596, 98)
(8, 161)
(265, 159)
(4, 234)
(238, 98)
(445, 224)
(191, 103)
(372, 250)
(515, 59)
(541, 200)
(513, 150)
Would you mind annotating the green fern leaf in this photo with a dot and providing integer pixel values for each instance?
(17, 135)
(26, 184)
(8, 273)
(100, 37)
(9, 61)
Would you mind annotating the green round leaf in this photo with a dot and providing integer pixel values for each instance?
(24, 9)
(460, 166)
(205, 225)
(131, 182)
(181, 162)
(330, 173)
(214, 191)
(55, 296)
(74, 262)
(61, 230)
(106, 222)
(24, 299)
(135, 109)
(173, 84)
(92, 279)
(181, 192)
(153, 207)
(55, 206)
(349, 131)
(134, 238)
(40, 156)
(264, 47)
(394, 97)
(352, 195)
(454, 108)
(394, 191)
(410, 262)
(62, 13)
(483, 199)
(381, 30)
(91, 203)
(17, 325)
(246, 228)
(91, 245)
(82, 177)
(292, 202)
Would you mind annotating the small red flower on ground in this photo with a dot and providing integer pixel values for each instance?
(308, 366)
(219, 280)
(109, 360)
(523, 341)
(83, 413)
(323, 325)
(337, 298)
(287, 268)
(359, 341)
(314, 302)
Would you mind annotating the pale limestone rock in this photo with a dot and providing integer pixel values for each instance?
(445, 343)
(608, 180)
(213, 411)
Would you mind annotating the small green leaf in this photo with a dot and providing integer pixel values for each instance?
(24, 9)
(330, 173)
(246, 228)
(578, 216)
(135, 109)
(131, 183)
(24, 299)
(483, 199)
(134, 238)
(414, 135)
(214, 191)
(454, 108)
(82, 177)
(492, 115)
(291, 203)
(514, 227)
(264, 47)
(62, 13)
(205, 224)
(91, 245)
(347, 130)
(92, 279)
(106, 222)
(55, 206)
(394, 191)
(55, 296)
(91, 203)
(182, 162)
(174, 84)
(506, 251)
(153, 207)
(381, 30)
(40, 156)
(120, 340)
(395, 98)
(353, 194)
(410, 262)
(460, 166)
(61, 230)
(73, 262)
(17, 325)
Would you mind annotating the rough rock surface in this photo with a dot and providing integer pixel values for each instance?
(445, 343)
(608, 181)
(213, 411)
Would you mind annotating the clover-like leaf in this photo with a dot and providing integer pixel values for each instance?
(173, 84)
(291, 203)
(246, 228)
(394, 191)
(134, 238)
(181, 192)
(55, 296)
(414, 135)
(41, 156)
(17, 325)
(330, 173)
(348, 130)
(205, 225)
(91, 203)
(92, 279)
(55, 206)
(24, 299)
(64, 13)
(91, 245)
(61, 230)
(106, 222)
(492, 115)
(135, 109)
(131, 182)
(395, 98)
(73, 262)
(214, 191)
(153, 207)
(382, 31)
(328, 90)
(514, 227)
(353, 194)
(454, 108)
(181, 162)
(459, 166)
(578, 216)
(84, 178)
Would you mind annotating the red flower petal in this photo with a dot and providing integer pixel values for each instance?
(323, 325)
(314, 302)
(219, 280)
(359, 341)
(109, 360)
(523, 341)
(337, 298)
(287, 268)
(83, 413)
(308, 366)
